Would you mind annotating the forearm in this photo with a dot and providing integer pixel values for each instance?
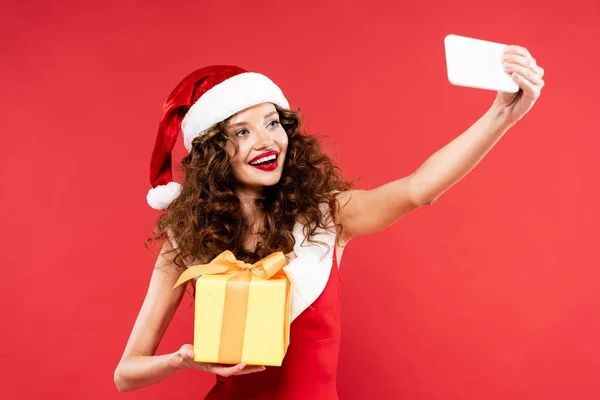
(135, 372)
(452, 162)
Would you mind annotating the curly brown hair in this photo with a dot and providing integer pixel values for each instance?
(207, 217)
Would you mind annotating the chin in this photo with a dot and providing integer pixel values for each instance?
(270, 182)
(263, 182)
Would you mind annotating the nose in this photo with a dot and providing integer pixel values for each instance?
(263, 139)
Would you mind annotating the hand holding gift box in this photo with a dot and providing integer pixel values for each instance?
(242, 311)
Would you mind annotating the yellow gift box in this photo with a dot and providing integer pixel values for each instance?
(242, 311)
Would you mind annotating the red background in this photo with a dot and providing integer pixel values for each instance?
(491, 293)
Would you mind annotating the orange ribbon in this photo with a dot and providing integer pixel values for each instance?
(236, 295)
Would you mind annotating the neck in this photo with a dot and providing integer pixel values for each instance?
(247, 199)
(254, 215)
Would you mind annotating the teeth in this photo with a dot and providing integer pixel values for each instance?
(271, 157)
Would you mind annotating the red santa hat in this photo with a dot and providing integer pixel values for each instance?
(203, 98)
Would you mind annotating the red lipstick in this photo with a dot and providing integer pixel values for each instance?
(268, 153)
(267, 167)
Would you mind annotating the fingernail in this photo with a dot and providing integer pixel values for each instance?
(190, 354)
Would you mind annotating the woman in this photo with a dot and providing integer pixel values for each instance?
(254, 184)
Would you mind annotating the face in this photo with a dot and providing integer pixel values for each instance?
(262, 144)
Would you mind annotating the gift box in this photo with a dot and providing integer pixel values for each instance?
(242, 311)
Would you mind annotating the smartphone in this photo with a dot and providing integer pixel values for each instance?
(477, 63)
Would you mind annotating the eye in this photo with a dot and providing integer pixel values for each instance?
(241, 131)
(274, 123)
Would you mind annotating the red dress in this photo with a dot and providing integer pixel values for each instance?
(309, 368)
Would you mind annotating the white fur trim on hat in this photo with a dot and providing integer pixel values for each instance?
(161, 196)
(227, 98)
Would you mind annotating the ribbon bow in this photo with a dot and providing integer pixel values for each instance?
(226, 263)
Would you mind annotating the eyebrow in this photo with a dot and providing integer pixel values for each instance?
(245, 123)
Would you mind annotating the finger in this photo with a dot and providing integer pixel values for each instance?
(525, 72)
(250, 369)
(219, 369)
(514, 49)
(528, 62)
(529, 89)
(541, 72)
(520, 55)
(185, 355)
(516, 59)
(187, 348)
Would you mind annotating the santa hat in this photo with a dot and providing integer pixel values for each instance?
(203, 98)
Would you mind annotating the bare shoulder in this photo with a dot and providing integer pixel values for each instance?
(165, 261)
(339, 213)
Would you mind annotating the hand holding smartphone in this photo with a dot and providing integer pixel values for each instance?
(477, 63)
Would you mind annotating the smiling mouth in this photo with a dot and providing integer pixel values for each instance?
(265, 161)
(266, 165)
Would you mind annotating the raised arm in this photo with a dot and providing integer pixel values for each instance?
(363, 212)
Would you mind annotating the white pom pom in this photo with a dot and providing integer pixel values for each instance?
(161, 196)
